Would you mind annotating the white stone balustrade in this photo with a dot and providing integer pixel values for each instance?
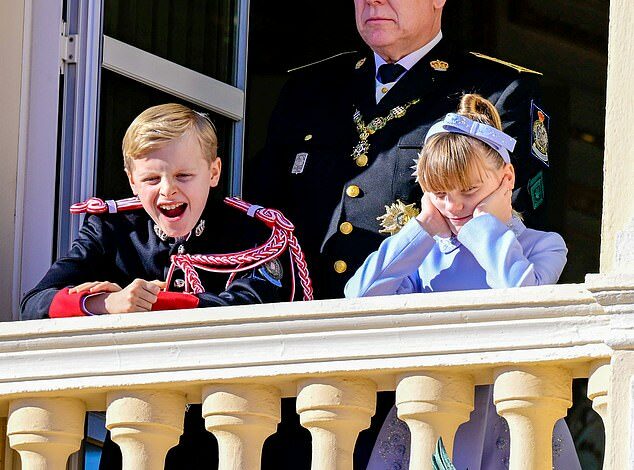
(334, 356)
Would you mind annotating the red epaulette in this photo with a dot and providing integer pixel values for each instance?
(94, 205)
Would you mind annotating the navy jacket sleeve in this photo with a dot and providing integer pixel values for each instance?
(86, 261)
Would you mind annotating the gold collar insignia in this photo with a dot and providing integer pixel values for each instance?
(439, 65)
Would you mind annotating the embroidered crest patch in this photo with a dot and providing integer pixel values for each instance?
(539, 133)
(272, 271)
(536, 189)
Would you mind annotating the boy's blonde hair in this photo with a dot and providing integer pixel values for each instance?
(159, 125)
(448, 160)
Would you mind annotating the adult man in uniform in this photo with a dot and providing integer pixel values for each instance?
(342, 143)
(346, 132)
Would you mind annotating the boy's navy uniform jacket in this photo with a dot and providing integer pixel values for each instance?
(124, 246)
(306, 168)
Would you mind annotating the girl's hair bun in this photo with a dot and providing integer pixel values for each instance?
(479, 109)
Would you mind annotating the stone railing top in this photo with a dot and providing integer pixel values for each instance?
(378, 338)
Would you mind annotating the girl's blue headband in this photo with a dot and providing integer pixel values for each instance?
(456, 124)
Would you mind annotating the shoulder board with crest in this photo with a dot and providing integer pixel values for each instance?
(519, 68)
(321, 61)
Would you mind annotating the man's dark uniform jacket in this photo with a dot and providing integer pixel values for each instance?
(122, 247)
(333, 202)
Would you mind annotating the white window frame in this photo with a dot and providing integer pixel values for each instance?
(37, 148)
(37, 165)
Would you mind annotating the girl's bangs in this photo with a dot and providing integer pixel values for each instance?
(451, 161)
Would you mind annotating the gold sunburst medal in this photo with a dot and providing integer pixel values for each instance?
(396, 216)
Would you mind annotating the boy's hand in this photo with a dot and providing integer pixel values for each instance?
(138, 296)
(95, 286)
(498, 203)
(431, 219)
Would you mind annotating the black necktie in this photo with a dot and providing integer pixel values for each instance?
(390, 72)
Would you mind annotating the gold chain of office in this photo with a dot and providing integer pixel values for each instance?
(360, 151)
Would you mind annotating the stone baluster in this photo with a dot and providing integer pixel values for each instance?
(45, 431)
(242, 417)
(532, 399)
(433, 405)
(145, 424)
(598, 383)
(335, 410)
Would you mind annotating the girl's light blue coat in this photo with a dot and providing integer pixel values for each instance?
(485, 254)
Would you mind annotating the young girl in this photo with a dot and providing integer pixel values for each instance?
(465, 237)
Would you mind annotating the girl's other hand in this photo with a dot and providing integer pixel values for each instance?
(498, 203)
(431, 219)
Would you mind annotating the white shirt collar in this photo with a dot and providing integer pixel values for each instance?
(410, 59)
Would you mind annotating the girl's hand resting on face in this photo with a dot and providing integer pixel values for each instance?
(498, 203)
(431, 219)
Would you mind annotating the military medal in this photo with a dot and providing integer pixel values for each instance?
(396, 216)
(360, 151)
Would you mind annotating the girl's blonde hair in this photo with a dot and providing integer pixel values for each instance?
(159, 125)
(448, 160)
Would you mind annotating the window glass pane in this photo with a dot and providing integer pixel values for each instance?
(122, 99)
(197, 34)
(96, 426)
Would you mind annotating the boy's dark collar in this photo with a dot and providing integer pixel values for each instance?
(197, 232)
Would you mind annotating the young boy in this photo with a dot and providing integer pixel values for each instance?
(119, 261)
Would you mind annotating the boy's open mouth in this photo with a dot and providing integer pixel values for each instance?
(172, 210)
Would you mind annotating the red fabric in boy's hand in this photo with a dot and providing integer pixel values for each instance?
(66, 305)
(174, 301)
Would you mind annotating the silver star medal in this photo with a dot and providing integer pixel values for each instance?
(300, 163)
(415, 168)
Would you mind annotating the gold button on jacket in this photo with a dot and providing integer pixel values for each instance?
(353, 190)
(346, 228)
(341, 266)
